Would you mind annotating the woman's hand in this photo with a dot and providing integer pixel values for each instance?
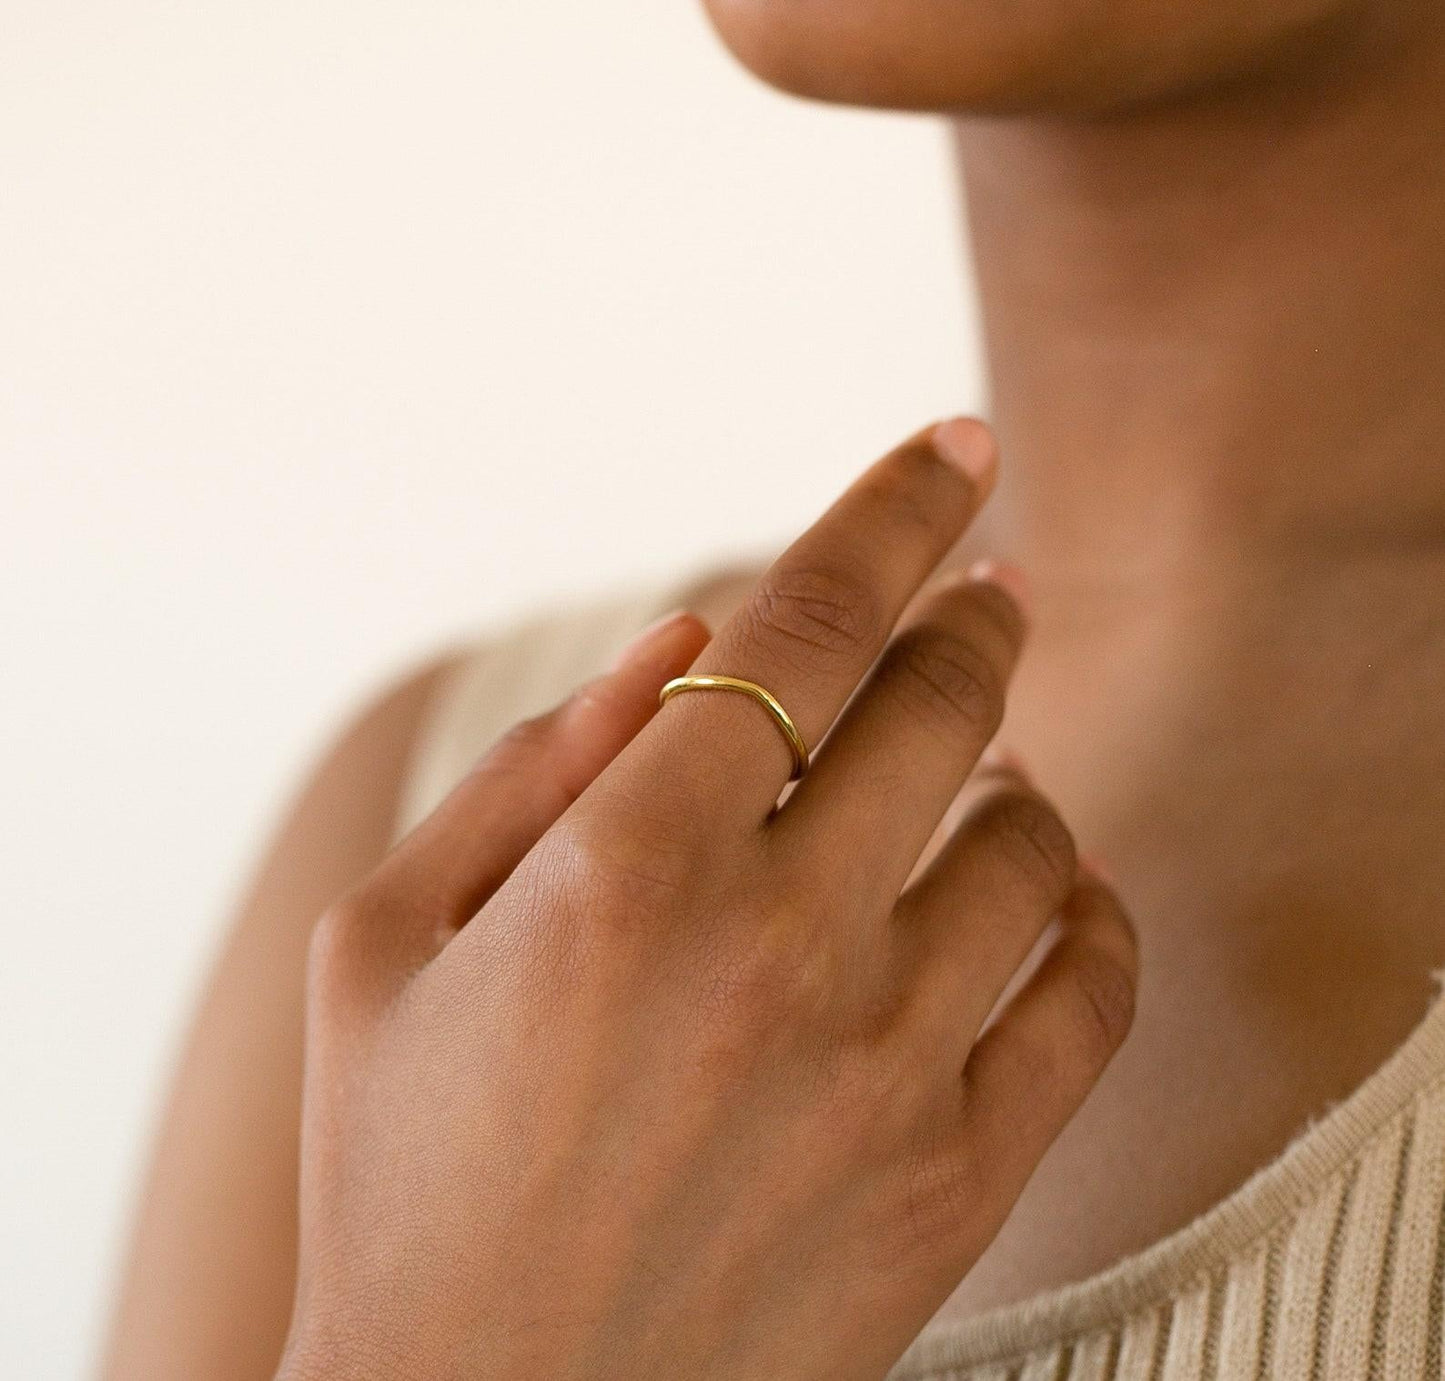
(616, 1069)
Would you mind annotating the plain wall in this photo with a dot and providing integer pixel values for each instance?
(328, 332)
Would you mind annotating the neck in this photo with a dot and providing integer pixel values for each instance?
(1216, 331)
(1216, 344)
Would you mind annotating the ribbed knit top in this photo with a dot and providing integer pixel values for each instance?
(1325, 1266)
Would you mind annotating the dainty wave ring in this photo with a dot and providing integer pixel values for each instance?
(764, 697)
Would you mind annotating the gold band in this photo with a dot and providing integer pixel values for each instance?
(763, 697)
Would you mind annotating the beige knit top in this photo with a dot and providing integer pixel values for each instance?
(1325, 1266)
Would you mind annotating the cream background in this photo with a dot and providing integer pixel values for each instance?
(329, 331)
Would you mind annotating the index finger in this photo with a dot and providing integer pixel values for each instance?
(819, 616)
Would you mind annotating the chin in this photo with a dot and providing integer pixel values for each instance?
(1009, 56)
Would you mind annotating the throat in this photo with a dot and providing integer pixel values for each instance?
(1217, 328)
(1261, 762)
(1215, 341)
(1250, 743)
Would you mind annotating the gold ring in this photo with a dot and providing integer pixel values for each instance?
(758, 693)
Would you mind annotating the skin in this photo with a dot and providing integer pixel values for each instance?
(1214, 308)
(1051, 57)
(678, 1061)
(912, 1031)
(210, 1274)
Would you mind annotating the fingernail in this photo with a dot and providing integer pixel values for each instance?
(997, 757)
(655, 632)
(967, 443)
(1008, 578)
(1094, 864)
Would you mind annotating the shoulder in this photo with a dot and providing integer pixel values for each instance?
(340, 813)
(408, 737)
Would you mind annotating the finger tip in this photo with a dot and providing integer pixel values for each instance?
(1097, 893)
(1008, 577)
(998, 757)
(1097, 868)
(665, 641)
(969, 444)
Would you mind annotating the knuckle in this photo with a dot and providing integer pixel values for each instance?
(942, 1193)
(997, 609)
(951, 1197)
(883, 1091)
(769, 972)
(338, 946)
(1101, 999)
(513, 755)
(952, 677)
(526, 736)
(616, 879)
(748, 994)
(749, 999)
(1027, 1068)
(1030, 834)
(765, 964)
(597, 697)
(819, 611)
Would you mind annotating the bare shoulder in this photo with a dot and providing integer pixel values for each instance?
(527, 665)
(358, 775)
(208, 1280)
(409, 739)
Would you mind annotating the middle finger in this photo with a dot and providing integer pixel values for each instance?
(818, 618)
(906, 743)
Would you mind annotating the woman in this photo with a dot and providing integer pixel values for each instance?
(614, 1070)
